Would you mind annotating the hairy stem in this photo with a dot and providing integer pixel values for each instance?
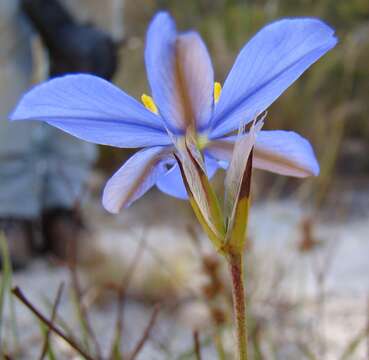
(239, 304)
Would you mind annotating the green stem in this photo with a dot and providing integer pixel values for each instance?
(239, 304)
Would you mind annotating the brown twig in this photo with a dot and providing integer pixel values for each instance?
(197, 347)
(18, 293)
(52, 319)
(146, 334)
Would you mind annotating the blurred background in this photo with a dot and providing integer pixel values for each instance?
(308, 250)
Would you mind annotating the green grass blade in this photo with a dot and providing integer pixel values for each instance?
(6, 281)
(350, 349)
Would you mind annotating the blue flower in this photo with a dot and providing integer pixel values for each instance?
(184, 102)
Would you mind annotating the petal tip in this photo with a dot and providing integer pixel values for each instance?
(162, 14)
(162, 19)
(315, 170)
(108, 204)
(13, 115)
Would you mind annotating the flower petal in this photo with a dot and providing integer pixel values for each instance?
(180, 74)
(267, 65)
(137, 175)
(171, 182)
(278, 151)
(94, 110)
(285, 153)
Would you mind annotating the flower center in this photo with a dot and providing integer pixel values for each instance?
(201, 140)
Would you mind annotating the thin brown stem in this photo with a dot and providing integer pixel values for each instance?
(84, 318)
(197, 347)
(18, 293)
(122, 295)
(146, 334)
(239, 304)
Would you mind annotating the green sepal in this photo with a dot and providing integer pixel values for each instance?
(238, 219)
(210, 217)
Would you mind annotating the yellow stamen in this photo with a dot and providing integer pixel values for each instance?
(217, 91)
(202, 141)
(149, 103)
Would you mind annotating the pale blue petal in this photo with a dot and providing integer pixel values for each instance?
(94, 110)
(285, 153)
(171, 182)
(268, 64)
(180, 74)
(282, 152)
(137, 175)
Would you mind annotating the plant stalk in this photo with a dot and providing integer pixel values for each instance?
(239, 304)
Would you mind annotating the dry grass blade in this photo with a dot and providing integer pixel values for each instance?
(351, 348)
(82, 314)
(146, 334)
(18, 293)
(5, 285)
(52, 320)
(5, 278)
(87, 330)
(115, 348)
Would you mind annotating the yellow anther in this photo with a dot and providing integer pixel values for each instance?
(149, 103)
(217, 91)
